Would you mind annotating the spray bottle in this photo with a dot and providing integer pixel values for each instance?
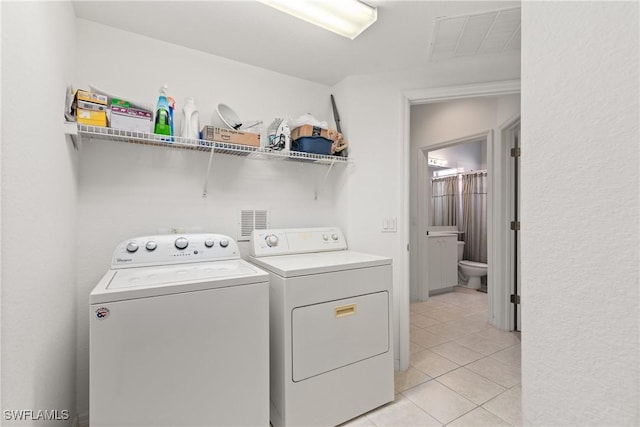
(163, 114)
(172, 107)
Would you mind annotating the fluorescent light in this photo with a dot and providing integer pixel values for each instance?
(348, 18)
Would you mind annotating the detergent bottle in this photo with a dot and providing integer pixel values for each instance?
(163, 114)
(190, 122)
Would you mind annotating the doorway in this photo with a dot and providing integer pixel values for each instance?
(453, 158)
(498, 312)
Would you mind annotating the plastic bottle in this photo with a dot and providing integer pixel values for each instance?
(190, 121)
(271, 133)
(172, 107)
(163, 115)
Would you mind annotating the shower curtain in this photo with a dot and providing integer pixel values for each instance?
(444, 198)
(474, 216)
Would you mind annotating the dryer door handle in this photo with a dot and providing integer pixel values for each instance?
(345, 310)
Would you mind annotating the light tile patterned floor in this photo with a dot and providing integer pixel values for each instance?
(464, 372)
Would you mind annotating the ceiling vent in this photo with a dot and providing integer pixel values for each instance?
(252, 219)
(479, 34)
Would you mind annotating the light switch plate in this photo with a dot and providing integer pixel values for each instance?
(390, 225)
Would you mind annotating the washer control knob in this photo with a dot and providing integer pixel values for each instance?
(272, 240)
(334, 236)
(181, 243)
(132, 247)
(325, 237)
(209, 243)
(151, 245)
(224, 243)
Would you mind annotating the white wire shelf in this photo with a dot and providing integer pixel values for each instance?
(109, 134)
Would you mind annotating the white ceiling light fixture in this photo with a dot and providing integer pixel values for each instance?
(349, 18)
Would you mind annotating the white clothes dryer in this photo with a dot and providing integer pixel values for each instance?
(330, 326)
(179, 335)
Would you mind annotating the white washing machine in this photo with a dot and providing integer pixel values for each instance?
(179, 336)
(330, 326)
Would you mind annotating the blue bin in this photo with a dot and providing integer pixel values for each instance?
(312, 144)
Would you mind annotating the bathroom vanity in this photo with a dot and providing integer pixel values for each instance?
(443, 262)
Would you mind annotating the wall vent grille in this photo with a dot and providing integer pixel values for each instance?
(478, 34)
(252, 219)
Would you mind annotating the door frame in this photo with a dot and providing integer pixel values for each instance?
(423, 198)
(507, 248)
(425, 96)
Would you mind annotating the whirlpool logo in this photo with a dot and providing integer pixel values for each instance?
(102, 313)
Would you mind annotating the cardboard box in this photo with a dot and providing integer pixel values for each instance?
(91, 106)
(212, 133)
(91, 117)
(308, 130)
(131, 119)
(83, 95)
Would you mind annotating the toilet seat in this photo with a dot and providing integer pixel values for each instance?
(472, 264)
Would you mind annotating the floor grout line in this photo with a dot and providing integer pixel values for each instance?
(450, 322)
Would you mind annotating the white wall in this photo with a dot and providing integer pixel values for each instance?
(580, 213)
(128, 190)
(440, 122)
(38, 210)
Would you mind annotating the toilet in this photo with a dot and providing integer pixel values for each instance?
(471, 269)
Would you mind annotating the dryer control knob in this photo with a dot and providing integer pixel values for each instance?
(151, 245)
(181, 243)
(334, 236)
(325, 237)
(224, 243)
(272, 240)
(132, 247)
(209, 243)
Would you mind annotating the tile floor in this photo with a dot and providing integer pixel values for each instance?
(463, 371)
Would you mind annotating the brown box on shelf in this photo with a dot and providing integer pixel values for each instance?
(212, 133)
(308, 130)
(83, 95)
(90, 108)
(91, 117)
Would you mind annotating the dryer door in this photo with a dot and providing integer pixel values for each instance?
(334, 334)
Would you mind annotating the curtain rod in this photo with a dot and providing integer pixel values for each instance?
(461, 173)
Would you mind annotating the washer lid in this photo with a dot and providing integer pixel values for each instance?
(317, 263)
(121, 284)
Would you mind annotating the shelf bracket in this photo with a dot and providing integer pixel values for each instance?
(206, 177)
(71, 129)
(324, 181)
